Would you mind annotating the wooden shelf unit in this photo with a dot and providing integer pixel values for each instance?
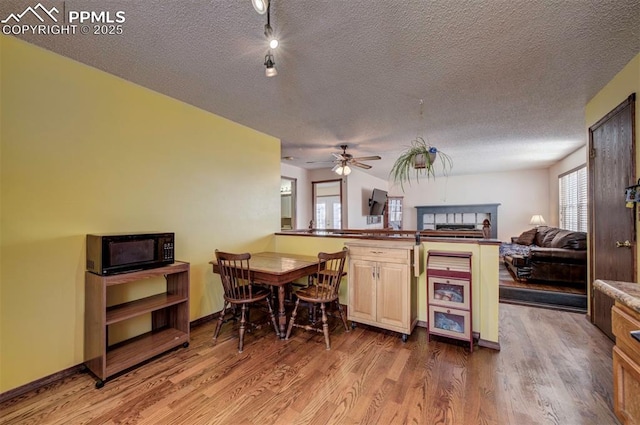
(449, 295)
(169, 320)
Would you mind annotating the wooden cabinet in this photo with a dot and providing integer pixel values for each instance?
(449, 295)
(383, 284)
(169, 312)
(626, 365)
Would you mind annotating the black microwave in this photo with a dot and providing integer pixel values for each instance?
(119, 253)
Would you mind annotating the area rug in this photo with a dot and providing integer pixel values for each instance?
(547, 299)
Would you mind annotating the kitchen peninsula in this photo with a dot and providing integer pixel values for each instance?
(484, 266)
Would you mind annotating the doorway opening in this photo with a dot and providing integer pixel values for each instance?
(287, 203)
(327, 204)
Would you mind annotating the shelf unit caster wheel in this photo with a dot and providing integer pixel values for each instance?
(185, 345)
(405, 337)
(99, 384)
(353, 325)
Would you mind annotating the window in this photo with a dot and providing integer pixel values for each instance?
(573, 199)
(393, 217)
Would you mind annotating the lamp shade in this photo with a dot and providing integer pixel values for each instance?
(271, 71)
(537, 220)
(343, 170)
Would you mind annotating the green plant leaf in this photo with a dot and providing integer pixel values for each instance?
(403, 168)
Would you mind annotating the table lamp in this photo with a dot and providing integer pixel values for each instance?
(537, 220)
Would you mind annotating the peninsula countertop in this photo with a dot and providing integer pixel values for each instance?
(627, 293)
(451, 236)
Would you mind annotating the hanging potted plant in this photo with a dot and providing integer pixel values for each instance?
(420, 158)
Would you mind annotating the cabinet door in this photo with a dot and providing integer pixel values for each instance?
(626, 388)
(393, 295)
(362, 290)
(449, 292)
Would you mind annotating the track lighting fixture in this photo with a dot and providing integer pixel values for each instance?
(268, 31)
(270, 63)
(261, 6)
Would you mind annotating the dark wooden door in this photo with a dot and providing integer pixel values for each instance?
(611, 223)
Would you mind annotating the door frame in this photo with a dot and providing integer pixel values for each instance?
(313, 201)
(628, 102)
(294, 201)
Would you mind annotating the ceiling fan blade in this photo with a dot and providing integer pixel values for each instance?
(343, 158)
(360, 164)
(367, 158)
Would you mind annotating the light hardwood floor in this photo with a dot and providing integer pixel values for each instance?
(553, 368)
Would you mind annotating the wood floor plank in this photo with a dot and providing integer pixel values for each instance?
(553, 368)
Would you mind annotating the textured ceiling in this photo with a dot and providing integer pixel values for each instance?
(504, 83)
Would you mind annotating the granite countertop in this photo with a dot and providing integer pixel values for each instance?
(628, 293)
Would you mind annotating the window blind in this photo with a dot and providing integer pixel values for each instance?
(573, 200)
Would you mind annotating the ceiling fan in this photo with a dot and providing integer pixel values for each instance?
(344, 159)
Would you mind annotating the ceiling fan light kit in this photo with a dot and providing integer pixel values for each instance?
(342, 169)
(344, 159)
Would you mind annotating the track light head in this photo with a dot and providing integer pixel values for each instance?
(260, 6)
(268, 32)
(270, 63)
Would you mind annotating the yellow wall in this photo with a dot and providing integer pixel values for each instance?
(614, 93)
(312, 246)
(83, 151)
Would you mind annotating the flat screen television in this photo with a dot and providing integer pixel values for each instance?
(378, 202)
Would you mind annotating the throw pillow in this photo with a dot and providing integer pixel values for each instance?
(548, 237)
(526, 238)
(580, 241)
(562, 239)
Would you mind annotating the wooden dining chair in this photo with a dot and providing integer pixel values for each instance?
(323, 290)
(239, 290)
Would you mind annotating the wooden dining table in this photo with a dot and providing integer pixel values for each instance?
(278, 269)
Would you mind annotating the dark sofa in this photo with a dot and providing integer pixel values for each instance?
(555, 256)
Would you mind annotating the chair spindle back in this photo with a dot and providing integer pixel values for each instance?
(329, 275)
(235, 274)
